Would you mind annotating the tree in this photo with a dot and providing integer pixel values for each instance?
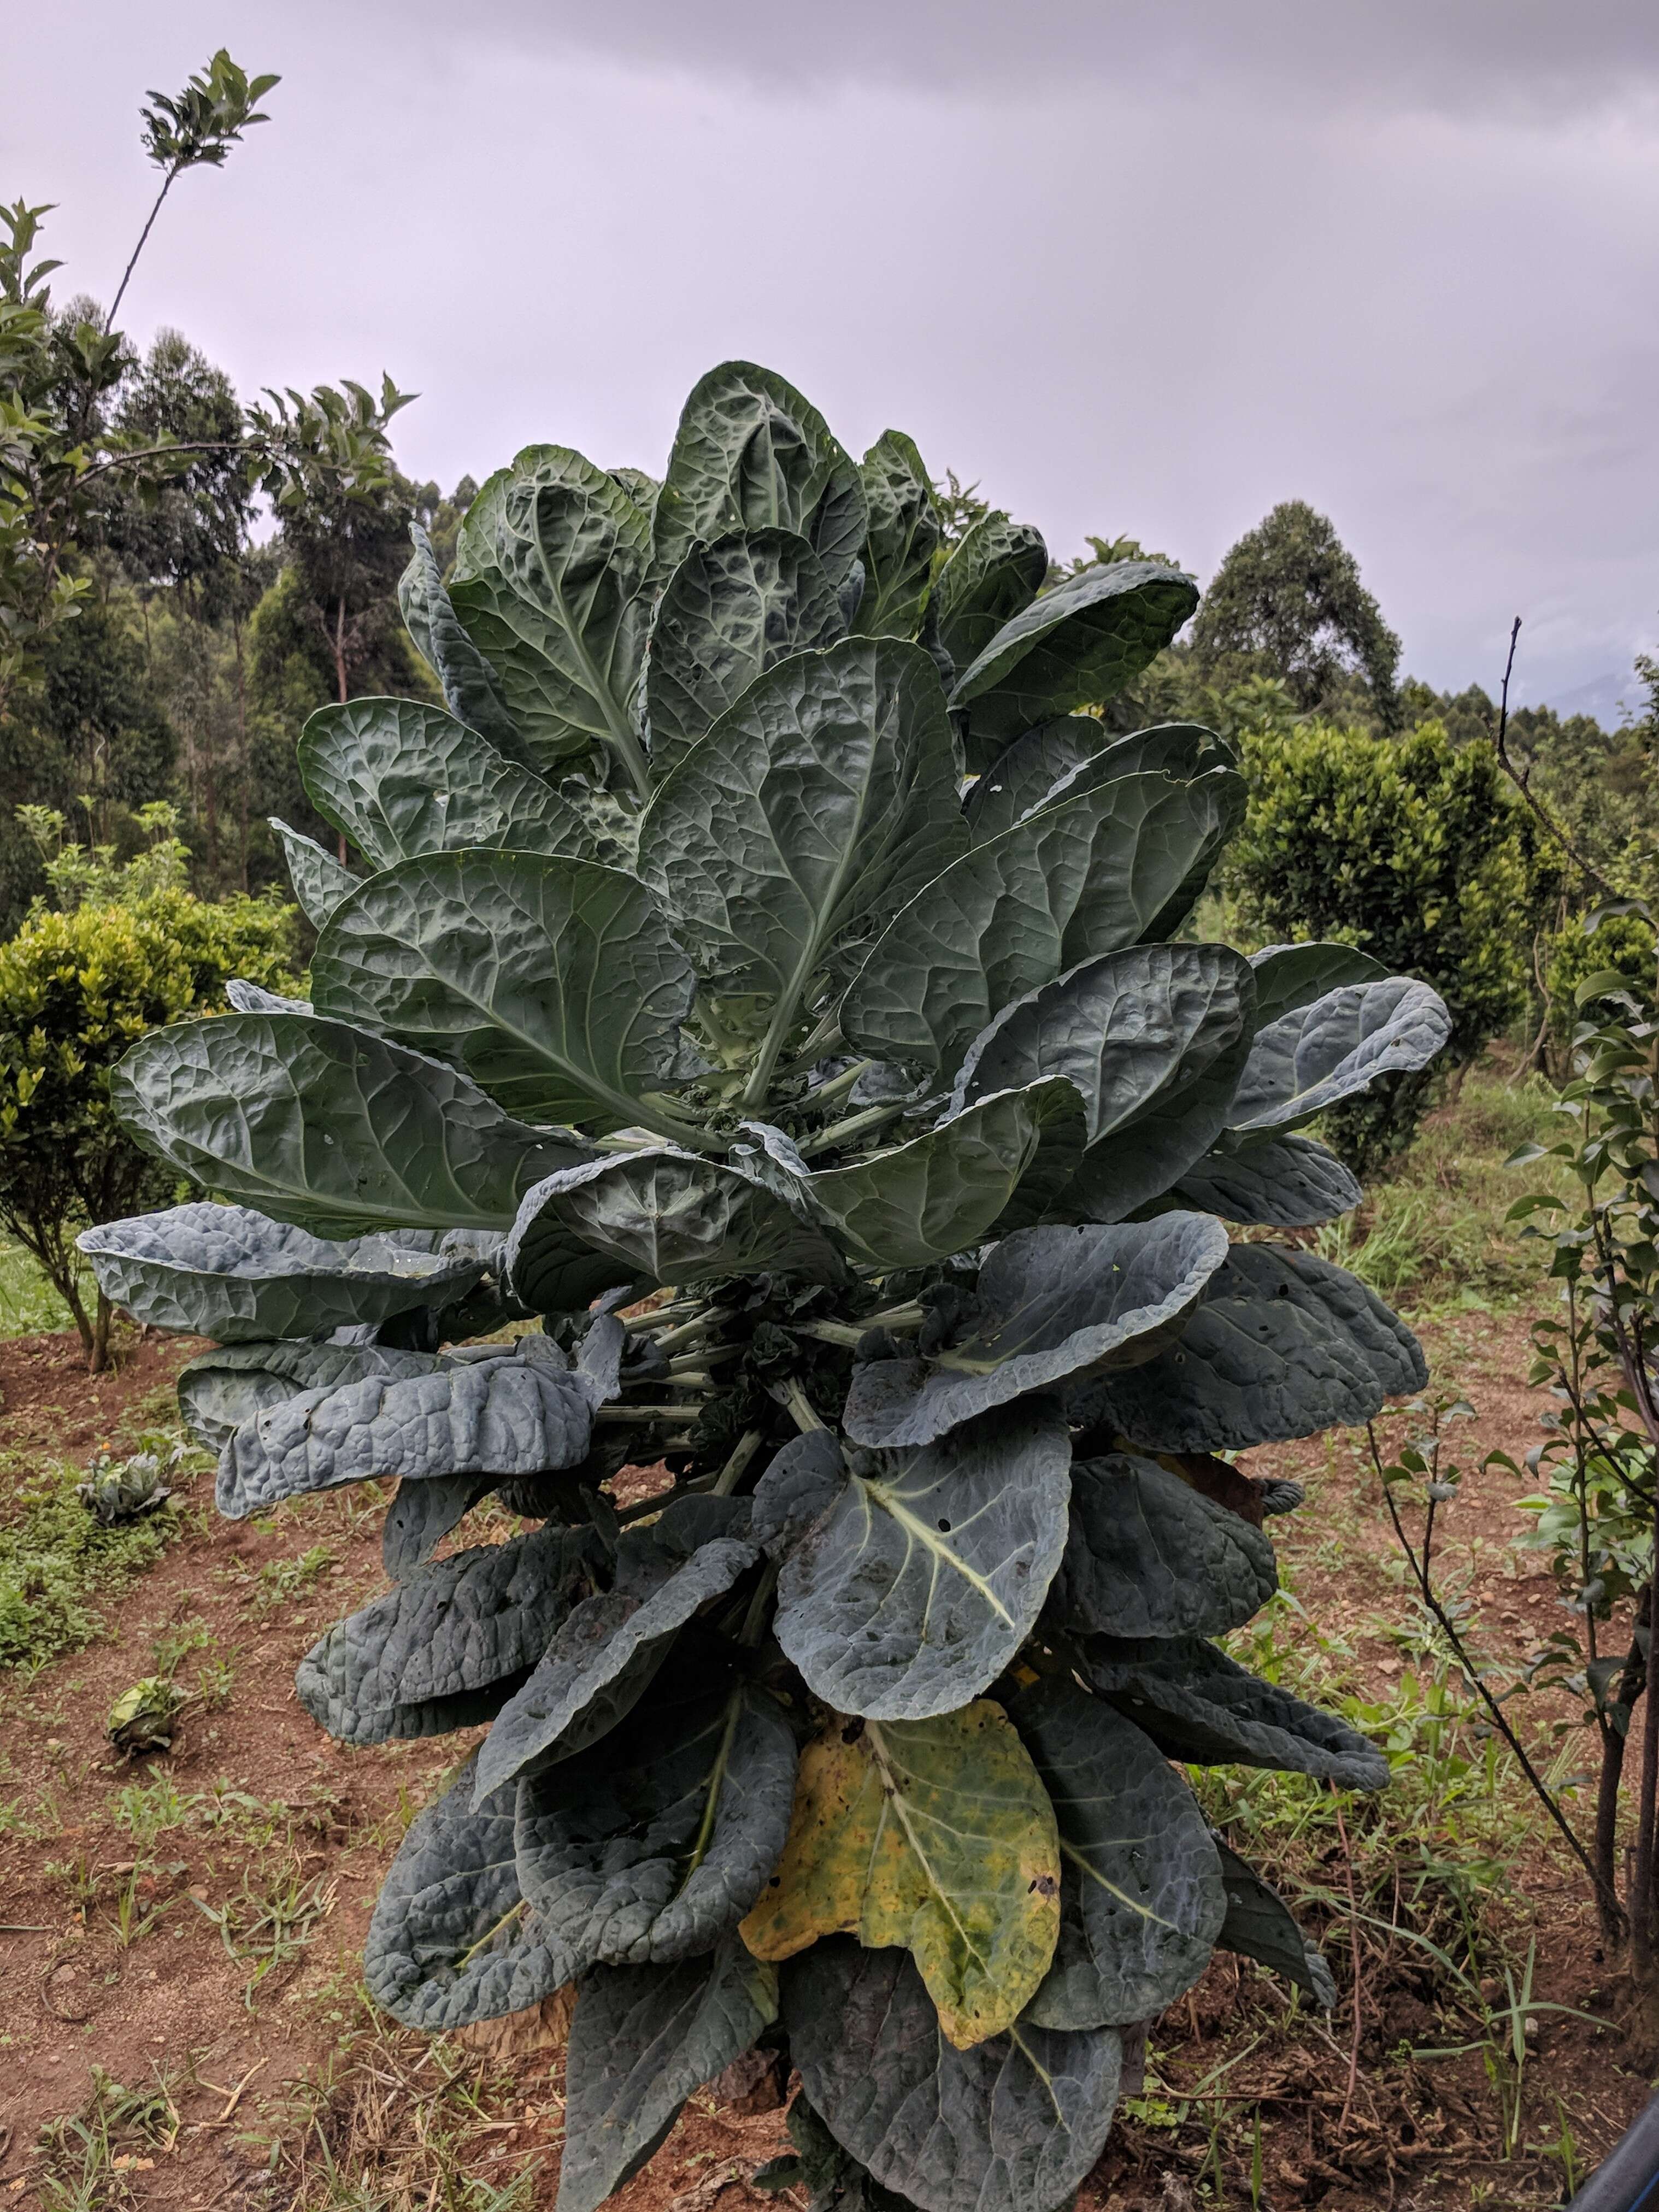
(1287, 601)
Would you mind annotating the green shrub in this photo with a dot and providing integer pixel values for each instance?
(1411, 849)
(1624, 943)
(77, 990)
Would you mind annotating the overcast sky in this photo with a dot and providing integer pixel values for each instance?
(1146, 267)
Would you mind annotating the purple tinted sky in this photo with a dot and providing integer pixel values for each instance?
(1136, 267)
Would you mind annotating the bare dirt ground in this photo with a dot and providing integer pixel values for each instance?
(197, 1915)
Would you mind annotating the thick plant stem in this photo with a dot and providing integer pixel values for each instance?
(733, 1473)
(1632, 1683)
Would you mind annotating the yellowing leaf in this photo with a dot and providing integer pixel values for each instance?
(936, 1835)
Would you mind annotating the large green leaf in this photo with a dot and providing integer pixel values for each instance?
(730, 612)
(995, 572)
(446, 1648)
(554, 984)
(808, 815)
(551, 582)
(464, 676)
(904, 534)
(936, 1834)
(658, 1217)
(1285, 1345)
(319, 881)
(1290, 976)
(329, 1127)
(1148, 1555)
(1073, 647)
(452, 1941)
(655, 1843)
(221, 1388)
(1051, 1305)
(1074, 881)
(1152, 1038)
(1012, 2125)
(1259, 1925)
(947, 1190)
(604, 1655)
(1059, 760)
(751, 454)
(910, 1595)
(230, 1274)
(642, 2039)
(1283, 1182)
(505, 1410)
(401, 779)
(1198, 1705)
(1141, 1889)
(1315, 1056)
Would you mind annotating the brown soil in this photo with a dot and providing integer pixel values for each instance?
(300, 1811)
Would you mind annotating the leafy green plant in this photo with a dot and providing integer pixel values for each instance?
(763, 978)
(1412, 851)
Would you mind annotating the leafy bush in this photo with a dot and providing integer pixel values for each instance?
(1414, 852)
(1619, 945)
(863, 1151)
(77, 989)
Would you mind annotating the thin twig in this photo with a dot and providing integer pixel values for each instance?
(1500, 1719)
(1353, 1939)
(1522, 778)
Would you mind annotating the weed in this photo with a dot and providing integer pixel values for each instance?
(269, 1927)
(55, 1559)
(86, 2159)
(145, 1810)
(28, 1303)
(280, 1580)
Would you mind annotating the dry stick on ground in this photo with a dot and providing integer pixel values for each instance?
(1540, 1789)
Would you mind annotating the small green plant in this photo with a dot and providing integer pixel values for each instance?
(116, 1491)
(57, 1562)
(279, 1581)
(761, 976)
(145, 1718)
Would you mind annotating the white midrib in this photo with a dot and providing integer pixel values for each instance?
(920, 1533)
(1069, 1852)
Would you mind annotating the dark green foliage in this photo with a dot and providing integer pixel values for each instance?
(1414, 851)
(903, 1648)
(1287, 602)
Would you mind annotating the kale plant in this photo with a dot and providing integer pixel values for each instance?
(759, 1040)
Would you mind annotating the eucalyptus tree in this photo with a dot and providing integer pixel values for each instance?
(755, 1038)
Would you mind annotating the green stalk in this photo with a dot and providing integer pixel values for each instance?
(857, 1125)
(828, 1094)
(731, 1473)
(796, 1403)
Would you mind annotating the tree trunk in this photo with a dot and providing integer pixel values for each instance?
(1632, 1683)
(98, 1350)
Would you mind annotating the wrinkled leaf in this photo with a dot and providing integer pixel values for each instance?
(813, 809)
(803, 1480)
(464, 674)
(1075, 881)
(1283, 1345)
(918, 1584)
(655, 1843)
(446, 1648)
(230, 1274)
(221, 1388)
(1150, 1555)
(246, 997)
(452, 1941)
(556, 984)
(1198, 1705)
(514, 1412)
(401, 780)
(995, 573)
(1290, 977)
(330, 1127)
(1014, 2123)
(1051, 1303)
(604, 1655)
(1141, 1898)
(1315, 1056)
(642, 2039)
(1153, 1039)
(730, 612)
(750, 453)
(935, 1834)
(551, 583)
(947, 1190)
(904, 533)
(422, 1514)
(319, 881)
(1259, 1925)
(658, 1217)
(1283, 1182)
(1073, 647)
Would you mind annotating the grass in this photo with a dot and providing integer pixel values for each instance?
(28, 1303)
(88, 2156)
(1432, 1233)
